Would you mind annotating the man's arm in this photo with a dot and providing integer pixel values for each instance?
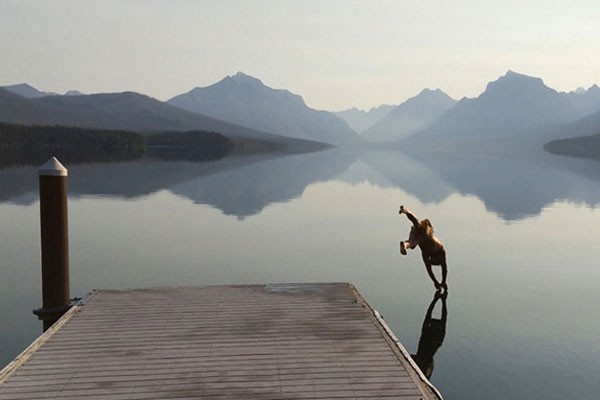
(410, 215)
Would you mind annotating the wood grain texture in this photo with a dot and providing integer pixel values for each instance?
(283, 341)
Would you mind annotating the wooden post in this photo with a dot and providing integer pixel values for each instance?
(54, 242)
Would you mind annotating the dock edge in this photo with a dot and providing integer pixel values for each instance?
(398, 347)
(19, 360)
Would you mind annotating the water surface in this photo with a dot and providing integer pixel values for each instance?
(520, 235)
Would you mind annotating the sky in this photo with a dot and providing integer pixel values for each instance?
(336, 54)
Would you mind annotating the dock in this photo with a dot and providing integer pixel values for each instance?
(271, 341)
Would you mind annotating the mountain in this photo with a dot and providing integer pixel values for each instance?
(246, 101)
(123, 111)
(578, 139)
(26, 90)
(511, 105)
(413, 115)
(586, 126)
(586, 101)
(360, 120)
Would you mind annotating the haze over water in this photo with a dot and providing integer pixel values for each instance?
(522, 257)
(462, 98)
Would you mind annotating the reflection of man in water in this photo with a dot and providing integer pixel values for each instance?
(432, 335)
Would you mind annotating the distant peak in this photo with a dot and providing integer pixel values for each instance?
(515, 79)
(20, 85)
(241, 77)
(352, 110)
(428, 91)
(431, 95)
(26, 90)
(510, 74)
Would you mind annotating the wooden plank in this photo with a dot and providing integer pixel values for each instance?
(285, 341)
(22, 358)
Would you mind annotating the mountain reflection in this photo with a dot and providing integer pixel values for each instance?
(237, 185)
(513, 185)
(512, 181)
(433, 332)
(246, 191)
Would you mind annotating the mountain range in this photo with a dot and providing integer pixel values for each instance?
(26, 90)
(246, 101)
(360, 120)
(123, 111)
(513, 106)
(415, 114)
(585, 101)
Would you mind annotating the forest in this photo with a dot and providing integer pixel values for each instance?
(31, 145)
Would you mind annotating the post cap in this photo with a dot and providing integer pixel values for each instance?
(53, 167)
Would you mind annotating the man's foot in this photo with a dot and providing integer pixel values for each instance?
(402, 248)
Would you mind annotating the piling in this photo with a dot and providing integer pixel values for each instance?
(54, 242)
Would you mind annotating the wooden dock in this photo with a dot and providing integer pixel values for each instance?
(282, 341)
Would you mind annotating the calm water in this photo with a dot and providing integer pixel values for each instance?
(521, 236)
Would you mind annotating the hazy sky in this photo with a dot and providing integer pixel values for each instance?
(336, 54)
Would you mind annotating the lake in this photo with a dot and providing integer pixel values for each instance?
(521, 234)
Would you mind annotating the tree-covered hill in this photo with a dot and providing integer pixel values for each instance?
(27, 144)
(582, 147)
